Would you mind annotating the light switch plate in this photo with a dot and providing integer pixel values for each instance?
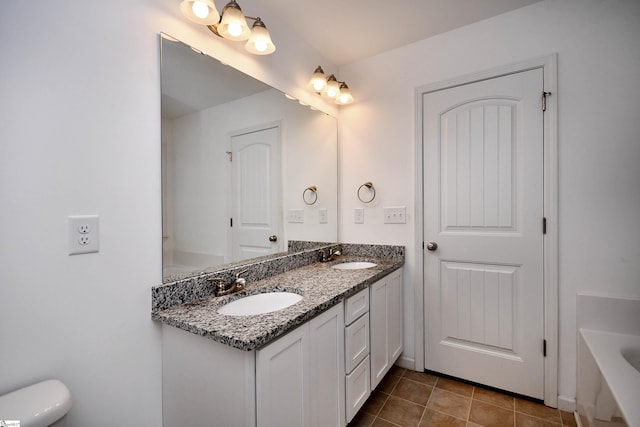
(295, 216)
(395, 215)
(358, 216)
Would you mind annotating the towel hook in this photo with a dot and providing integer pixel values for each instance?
(313, 192)
(369, 185)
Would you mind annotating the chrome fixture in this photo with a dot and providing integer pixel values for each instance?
(330, 87)
(231, 25)
(312, 196)
(333, 254)
(372, 190)
(221, 287)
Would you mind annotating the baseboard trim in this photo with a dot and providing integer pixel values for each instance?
(566, 403)
(406, 363)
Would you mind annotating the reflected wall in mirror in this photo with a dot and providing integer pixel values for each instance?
(237, 157)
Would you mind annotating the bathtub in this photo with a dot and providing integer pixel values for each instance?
(608, 389)
(610, 383)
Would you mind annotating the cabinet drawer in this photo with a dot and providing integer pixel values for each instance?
(355, 306)
(356, 338)
(358, 388)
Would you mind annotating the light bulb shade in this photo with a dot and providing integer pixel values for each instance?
(260, 41)
(201, 12)
(233, 25)
(345, 96)
(318, 80)
(332, 89)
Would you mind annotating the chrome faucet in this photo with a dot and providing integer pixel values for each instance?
(333, 254)
(221, 287)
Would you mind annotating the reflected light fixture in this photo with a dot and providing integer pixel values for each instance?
(344, 97)
(330, 87)
(232, 25)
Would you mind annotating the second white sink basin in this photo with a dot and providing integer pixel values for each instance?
(260, 303)
(355, 265)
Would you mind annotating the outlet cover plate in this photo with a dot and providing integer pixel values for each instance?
(83, 232)
(323, 216)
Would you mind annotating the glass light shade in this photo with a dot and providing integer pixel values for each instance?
(260, 41)
(201, 12)
(233, 25)
(345, 96)
(332, 89)
(318, 80)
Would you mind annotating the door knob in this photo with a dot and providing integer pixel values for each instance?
(273, 238)
(432, 246)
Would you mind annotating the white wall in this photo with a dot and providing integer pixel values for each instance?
(598, 46)
(80, 134)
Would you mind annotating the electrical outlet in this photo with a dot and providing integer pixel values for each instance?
(395, 215)
(83, 234)
(358, 216)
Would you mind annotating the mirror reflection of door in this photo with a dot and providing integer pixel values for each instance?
(257, 201)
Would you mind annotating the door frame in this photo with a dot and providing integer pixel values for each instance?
(548, 64)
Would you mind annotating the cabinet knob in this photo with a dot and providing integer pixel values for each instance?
(273, 238)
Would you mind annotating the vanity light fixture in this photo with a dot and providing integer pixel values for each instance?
(232, 25)
(330, 87)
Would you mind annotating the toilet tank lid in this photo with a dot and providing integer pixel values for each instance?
(37, 405)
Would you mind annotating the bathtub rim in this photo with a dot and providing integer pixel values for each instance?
(622, 378)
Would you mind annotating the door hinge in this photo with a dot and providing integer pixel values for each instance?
(544, 225)
(544, 100)
(423, 246)
(544, 348)
(230, 154)
(230, 222)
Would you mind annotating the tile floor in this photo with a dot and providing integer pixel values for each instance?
(414, 399)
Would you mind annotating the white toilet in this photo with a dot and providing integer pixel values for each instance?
(39, 405)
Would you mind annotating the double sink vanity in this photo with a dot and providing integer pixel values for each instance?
(302, 343)
(298, 338)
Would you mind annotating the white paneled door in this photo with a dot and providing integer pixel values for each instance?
(483, 232)
(256, 226)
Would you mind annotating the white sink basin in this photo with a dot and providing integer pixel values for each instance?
(260, 303)
(356, 265)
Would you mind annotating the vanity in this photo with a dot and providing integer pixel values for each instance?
(313, 363)
(303, 342)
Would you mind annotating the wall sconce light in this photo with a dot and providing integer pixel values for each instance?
(232, 25)
(330, 87)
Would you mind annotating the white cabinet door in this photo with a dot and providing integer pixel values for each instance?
(385, 324)
(326, 368)
(282, 381)
(300, 376)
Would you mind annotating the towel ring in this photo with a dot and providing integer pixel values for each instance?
(314, 191)
(369, 185)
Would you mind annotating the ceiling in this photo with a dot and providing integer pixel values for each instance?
(349, 30)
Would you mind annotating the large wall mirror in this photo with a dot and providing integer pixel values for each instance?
(244, 168)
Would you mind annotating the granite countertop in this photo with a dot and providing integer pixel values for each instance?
(320, 286)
